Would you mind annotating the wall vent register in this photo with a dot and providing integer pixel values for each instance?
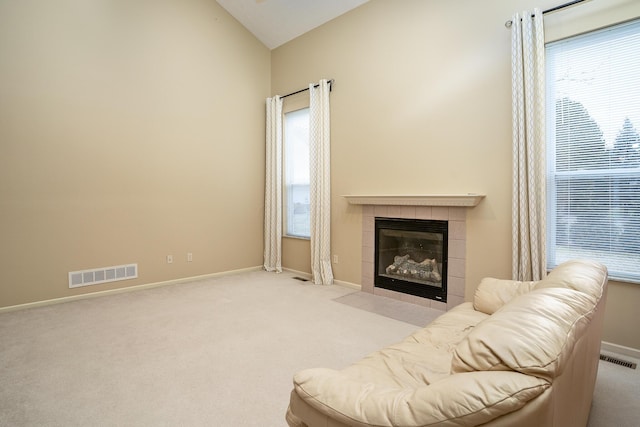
(102, 275)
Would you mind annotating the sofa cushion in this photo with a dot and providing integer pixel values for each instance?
(492, 294)
(423, 357)
(533, 334)
(574, 275)
(471, 398)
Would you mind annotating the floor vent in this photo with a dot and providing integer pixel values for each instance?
(102, 275)
(617, 361)
(302, 279)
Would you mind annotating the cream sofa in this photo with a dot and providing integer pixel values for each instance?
(521, 354)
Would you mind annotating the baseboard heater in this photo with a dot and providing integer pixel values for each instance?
(617, 361)
(102, 275)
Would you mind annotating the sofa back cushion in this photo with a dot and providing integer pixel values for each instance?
(533, 334)
(492, 293)
(581, 275)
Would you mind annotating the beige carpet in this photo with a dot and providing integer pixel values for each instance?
(616, 400)
(217, 352)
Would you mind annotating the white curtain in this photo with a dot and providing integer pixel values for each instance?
(528, 202)
(320, 188)
(273, 187)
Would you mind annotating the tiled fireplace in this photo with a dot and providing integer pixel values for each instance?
(426, 208)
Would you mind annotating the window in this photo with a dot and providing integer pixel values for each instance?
(593, 149)
(296, 173)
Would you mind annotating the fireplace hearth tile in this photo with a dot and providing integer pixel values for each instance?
(455, 287)
(457, 214)
(454, 300)
(456, 267)
(423, 212)
(367, 286)
(368, 238)
(394, 211)
(368, 223)
(440, 213)
(457, 248)
(381, 210)
(458, 230)
(367, 253)
(437, 305)
(390, 307)
(407, 212)
(367, 270)
(398, 296)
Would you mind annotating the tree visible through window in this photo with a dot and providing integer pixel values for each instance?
(593, 150)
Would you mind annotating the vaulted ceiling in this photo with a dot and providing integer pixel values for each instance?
(275, 22)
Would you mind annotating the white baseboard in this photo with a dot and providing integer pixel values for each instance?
(620, 349)
(127, 289)
(349, 285)
(335, 282)
(298, 273)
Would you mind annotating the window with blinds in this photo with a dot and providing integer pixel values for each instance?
(593, 149)
(296, 174)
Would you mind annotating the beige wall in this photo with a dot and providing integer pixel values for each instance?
(129, 130)
(422, 104)
(132, 130)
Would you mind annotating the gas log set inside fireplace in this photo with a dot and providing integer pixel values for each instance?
(411, 257)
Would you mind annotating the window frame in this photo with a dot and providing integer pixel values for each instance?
(292, 104)
(630, 273)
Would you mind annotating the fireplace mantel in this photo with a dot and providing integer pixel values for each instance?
(458, 200)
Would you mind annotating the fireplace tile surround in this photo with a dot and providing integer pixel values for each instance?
(456, 217)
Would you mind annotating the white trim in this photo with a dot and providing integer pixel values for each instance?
(620, 349)
(342, 283)
(126, 289)
(347, 284)
(468, 200)
(298, 273)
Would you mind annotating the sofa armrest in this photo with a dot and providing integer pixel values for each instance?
(492, 294)
(470, 398)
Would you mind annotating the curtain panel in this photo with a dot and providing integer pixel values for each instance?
(320, 186)
(528, 103)
(273, 187)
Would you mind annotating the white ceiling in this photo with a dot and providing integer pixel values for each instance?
(275, 22)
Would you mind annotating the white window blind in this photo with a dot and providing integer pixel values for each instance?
(296, 173)
(593, 149)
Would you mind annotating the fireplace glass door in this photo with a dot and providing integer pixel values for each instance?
(411, 257)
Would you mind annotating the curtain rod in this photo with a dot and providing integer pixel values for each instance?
(306, 88)
(509, 23)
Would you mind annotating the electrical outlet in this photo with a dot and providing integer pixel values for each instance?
(169, 259)
(189, 257)
(335, 259)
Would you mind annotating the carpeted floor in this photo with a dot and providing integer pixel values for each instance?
(616, 399)
(218, 352)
